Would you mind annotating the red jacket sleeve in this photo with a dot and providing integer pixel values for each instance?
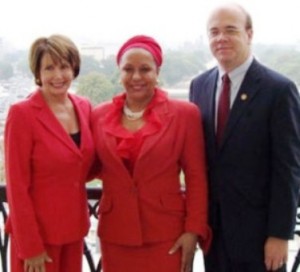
(22, 223)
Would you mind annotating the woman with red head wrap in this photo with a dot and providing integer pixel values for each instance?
(144, 140)
(145, 42)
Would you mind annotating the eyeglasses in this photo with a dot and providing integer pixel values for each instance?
(227, 32)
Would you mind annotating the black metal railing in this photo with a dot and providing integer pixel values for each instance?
(94, 195)
(3, 236)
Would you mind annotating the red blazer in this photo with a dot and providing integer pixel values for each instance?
(46, 174)
(150, 206)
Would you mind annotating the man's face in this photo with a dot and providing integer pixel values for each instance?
(229, 38)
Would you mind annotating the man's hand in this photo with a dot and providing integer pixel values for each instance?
(276, 253)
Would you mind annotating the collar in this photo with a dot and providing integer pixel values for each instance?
(239, 71)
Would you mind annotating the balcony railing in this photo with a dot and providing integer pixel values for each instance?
(94, 195)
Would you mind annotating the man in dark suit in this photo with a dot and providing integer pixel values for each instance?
(254, 164)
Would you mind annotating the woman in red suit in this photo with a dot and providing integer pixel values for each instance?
(143, 140)
(48, 153)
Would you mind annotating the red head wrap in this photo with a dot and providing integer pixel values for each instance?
(145, 42)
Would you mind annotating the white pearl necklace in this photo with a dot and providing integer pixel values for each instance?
(130, 115)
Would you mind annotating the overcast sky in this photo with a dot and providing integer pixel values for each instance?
(171, 22)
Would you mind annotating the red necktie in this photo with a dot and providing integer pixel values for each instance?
(223, 107)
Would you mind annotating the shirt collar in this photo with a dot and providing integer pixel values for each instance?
(239, 71)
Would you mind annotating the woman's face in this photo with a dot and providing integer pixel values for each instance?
(55, 76)
(139, 74)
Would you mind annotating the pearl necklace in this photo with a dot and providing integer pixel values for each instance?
(130, 115)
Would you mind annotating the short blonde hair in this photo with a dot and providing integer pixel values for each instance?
(59, 47)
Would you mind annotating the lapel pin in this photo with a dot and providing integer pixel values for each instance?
(244, 96)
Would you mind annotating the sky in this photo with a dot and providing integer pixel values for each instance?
(171, 22)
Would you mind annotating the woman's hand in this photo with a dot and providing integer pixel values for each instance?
(37, 263)
(187, 242)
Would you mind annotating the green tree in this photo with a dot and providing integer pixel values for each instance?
(110, 69)
(88, 65)
(109, 66)
(181, 65)
(96, 86)
(282, 58)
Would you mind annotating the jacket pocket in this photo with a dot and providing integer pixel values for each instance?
(105, 204)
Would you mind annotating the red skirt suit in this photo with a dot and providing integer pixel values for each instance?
(46, 173)
(143, 209)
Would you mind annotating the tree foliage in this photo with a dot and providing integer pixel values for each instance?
(110, 69)
(96, 86)
(179, 66)
(89, 65)
(281, 58)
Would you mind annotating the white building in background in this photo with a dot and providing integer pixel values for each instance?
(97, 52)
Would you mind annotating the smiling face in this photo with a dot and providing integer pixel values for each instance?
(55, 75)
(229, 36)
(53, 50)
(139, 74)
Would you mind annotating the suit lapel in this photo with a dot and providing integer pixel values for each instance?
(209, 110)
(83, 122)
(211, 94)
(49, 121)
(244, 96)
(109, 135)
(109, 138)
(111, 143)
(165, 116)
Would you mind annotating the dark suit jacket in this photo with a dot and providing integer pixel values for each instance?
(149, 206)
(46, 174)
(254, 175)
